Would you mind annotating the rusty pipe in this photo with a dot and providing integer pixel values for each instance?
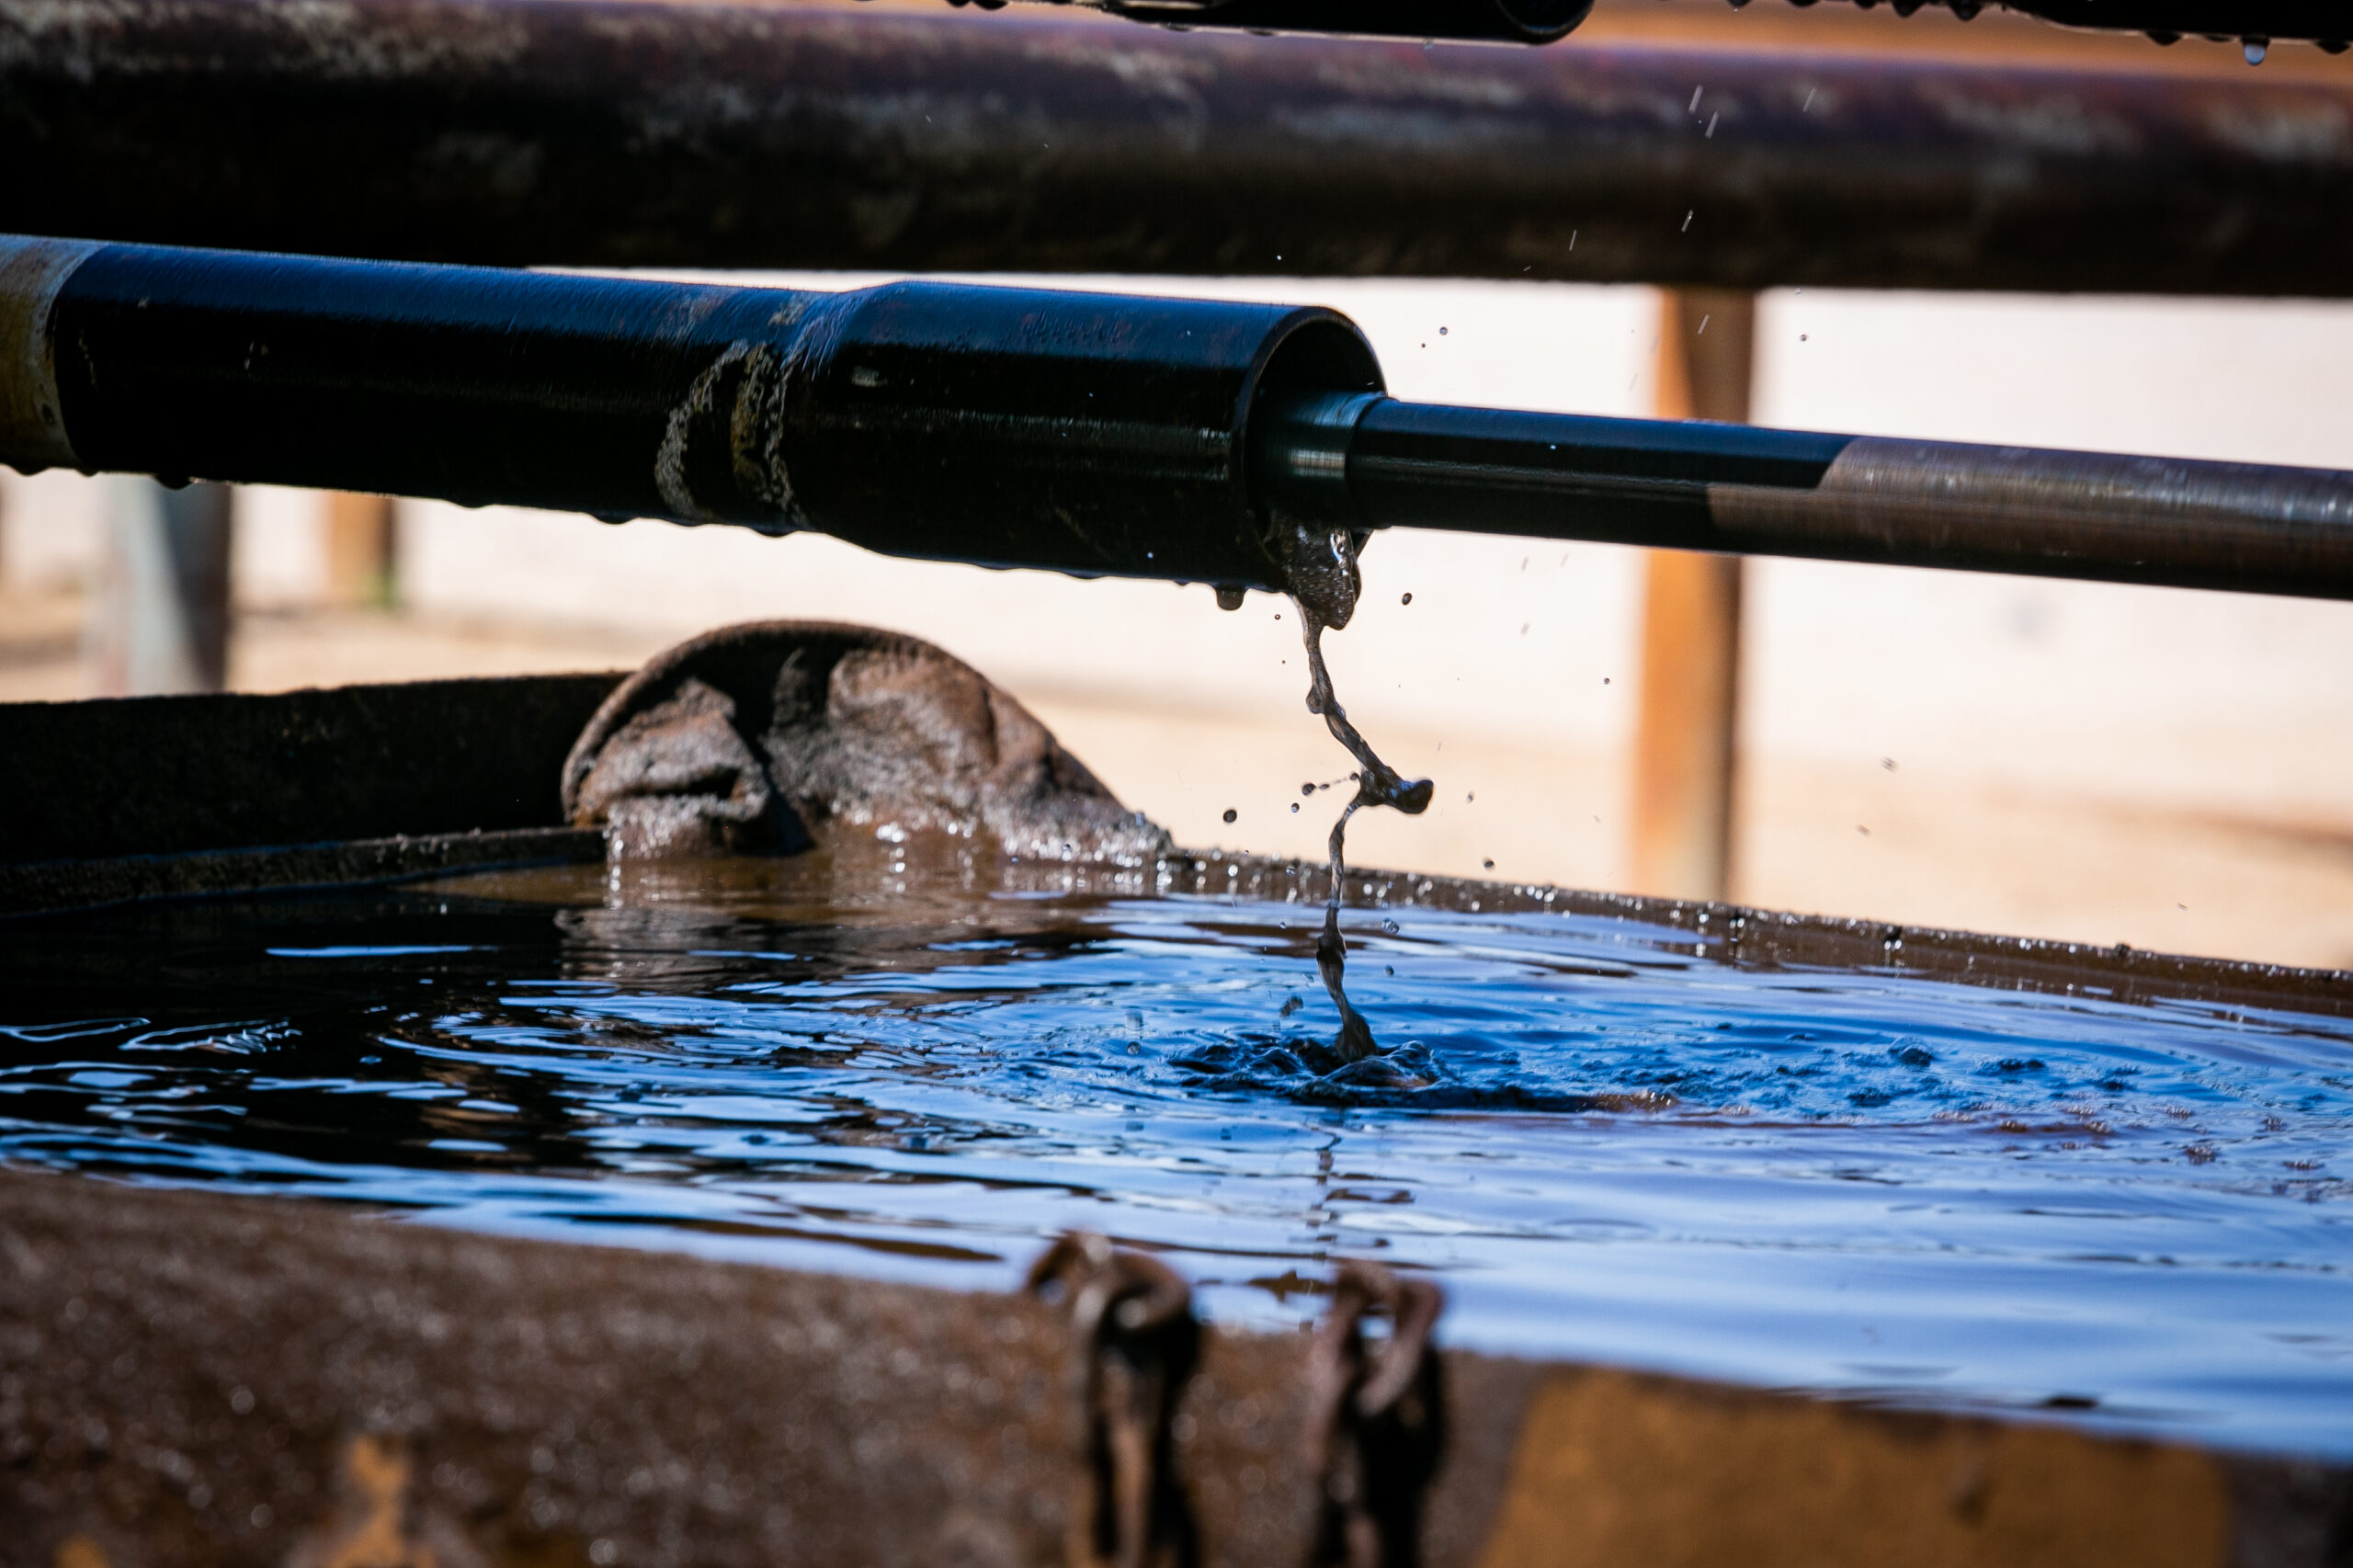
(612, 132)
(1517, 21)
(1094, 434)
(2324, 22)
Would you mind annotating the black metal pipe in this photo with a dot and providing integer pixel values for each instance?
(1095, 434)
(1084, 433)
(612, 132)
(1534, 21)
(1495, 21)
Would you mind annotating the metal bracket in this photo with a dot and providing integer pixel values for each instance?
(1132, 1318)
(1377, 1420)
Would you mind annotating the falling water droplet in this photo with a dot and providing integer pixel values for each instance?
(2256, 48)
(1230, 813)
(1406, 599)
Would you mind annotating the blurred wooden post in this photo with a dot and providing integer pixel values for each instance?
(1686, 731)
(359, 550)
(157, 621)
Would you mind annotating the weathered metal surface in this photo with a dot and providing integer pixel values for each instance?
(169, 775)
(585, 131)
(45, 887)
(189, 1380)
(193, 1380)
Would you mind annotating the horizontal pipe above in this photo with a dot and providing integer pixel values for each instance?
(617, 132)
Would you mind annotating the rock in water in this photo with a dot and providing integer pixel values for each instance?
(752, 739)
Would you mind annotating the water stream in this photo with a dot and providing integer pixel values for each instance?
(1325, 583)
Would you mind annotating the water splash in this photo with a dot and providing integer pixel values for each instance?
(1325, 583)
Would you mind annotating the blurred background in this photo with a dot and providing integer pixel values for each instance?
(2168, 768)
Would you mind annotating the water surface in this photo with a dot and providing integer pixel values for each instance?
(901, 1061)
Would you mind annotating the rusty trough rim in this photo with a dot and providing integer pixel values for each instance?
(1750, 938)
(199, 830)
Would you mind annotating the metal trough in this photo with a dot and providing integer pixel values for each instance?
(196, 1379)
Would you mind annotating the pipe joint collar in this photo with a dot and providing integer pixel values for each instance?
(32, 425)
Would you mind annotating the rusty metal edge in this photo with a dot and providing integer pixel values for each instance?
(1768, 939)
(194, 1378)
(53, 886)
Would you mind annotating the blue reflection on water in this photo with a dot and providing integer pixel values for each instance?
(1611, 1145)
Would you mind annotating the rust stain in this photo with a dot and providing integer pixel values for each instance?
(80, 1552)
(1614, 1469)
(373, 1525)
